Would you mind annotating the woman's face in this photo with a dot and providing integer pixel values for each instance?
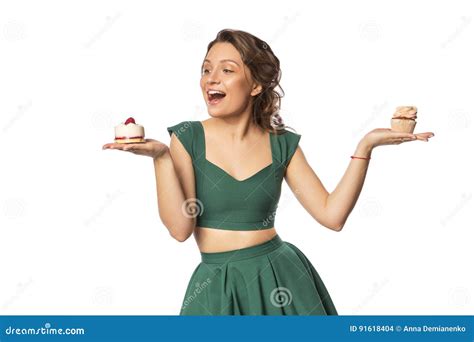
(226, 82)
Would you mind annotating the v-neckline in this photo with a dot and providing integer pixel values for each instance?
(224, 171)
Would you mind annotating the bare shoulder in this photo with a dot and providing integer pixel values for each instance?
(297, 165)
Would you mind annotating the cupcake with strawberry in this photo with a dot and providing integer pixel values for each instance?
(129, 132)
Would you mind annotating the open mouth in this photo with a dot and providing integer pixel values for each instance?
(215, 96)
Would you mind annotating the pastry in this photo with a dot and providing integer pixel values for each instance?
(404, 119)
(129, 132)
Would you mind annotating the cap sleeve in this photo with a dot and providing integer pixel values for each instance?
(293, 140)
(184, 133)
(287, 143)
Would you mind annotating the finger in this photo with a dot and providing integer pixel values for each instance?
(427, 134)
(424, 136)
(131, 147)
(398, 138)
(114, 146)
(110, 146)
(403, 140)
(401, 135)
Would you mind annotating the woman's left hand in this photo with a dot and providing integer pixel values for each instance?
(386, 136)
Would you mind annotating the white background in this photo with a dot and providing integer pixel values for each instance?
(79, 226)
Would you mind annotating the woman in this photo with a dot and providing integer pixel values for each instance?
(220, 180)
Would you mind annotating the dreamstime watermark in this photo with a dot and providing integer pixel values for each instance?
(109, 199)
(282, 204)
(182, 128)
(460, 296)
(21, 110)
(192, 207)
(192, 30)
(370, 207)
(109, 21)
(376, 288)
(102, 121)
(14, 31)
(370, 30)
(46, 330)
(458, 119)
(21, 288)
(287, 20)
(199, 288)
(103, 296)
(465, 198)
(199, 111)
(281, 296)
(14, 208)
(465, 22)
(269, 219)
(378, 109)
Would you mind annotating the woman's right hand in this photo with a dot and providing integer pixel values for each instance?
(151, 148)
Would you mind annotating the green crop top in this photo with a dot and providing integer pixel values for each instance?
(224, 202)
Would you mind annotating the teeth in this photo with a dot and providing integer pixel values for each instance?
(212, 92)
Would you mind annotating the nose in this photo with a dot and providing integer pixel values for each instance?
(212, 77)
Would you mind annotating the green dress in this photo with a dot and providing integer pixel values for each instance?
(272, 278)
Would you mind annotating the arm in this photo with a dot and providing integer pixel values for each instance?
(174, 176)
(330, 210)
(342, 200)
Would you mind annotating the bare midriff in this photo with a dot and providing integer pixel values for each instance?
(212, 240)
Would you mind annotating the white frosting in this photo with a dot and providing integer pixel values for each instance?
(130, 130)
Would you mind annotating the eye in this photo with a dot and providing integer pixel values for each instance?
(204, 71)
(227, 71)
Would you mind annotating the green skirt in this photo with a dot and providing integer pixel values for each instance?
(272, 278)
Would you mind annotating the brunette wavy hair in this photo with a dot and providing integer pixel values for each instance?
(265, 69)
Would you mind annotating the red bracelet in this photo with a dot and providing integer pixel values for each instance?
(366, 158)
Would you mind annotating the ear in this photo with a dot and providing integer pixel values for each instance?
(257, 89)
